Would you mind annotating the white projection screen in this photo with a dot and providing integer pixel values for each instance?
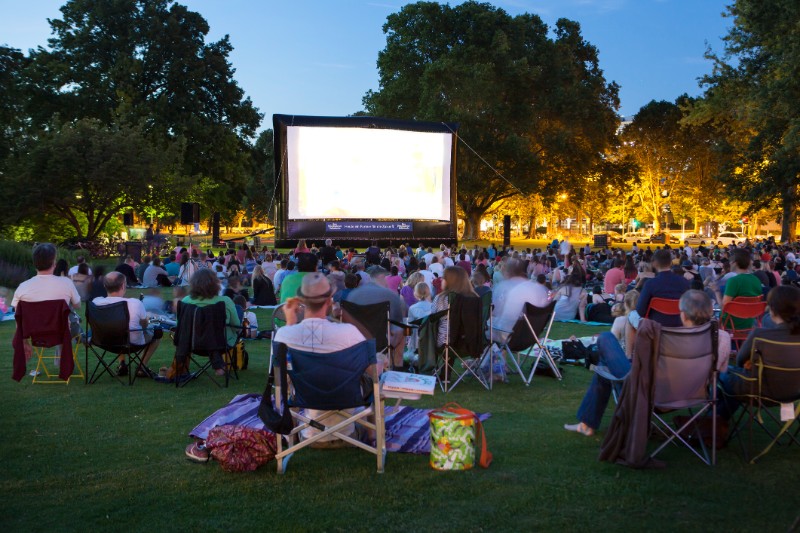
(364, 173)
(364, 178)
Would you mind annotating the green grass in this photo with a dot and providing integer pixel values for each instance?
(110, 457)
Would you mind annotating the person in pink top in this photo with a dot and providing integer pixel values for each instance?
(394, 281)
(614, 276)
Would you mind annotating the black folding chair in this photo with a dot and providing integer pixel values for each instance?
(465, 343)
(108, 338)
(374, 322)
(202, 331)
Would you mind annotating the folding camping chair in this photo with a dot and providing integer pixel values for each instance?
(685, 376)
(46, 324)
(531, 331)
(202, 331)
(775, 384)
(737, 309)
(108, 337)
(333, 384)
(465, 343)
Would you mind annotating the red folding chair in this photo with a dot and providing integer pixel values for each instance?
(749, 299)
(665, 306)
(744, 310)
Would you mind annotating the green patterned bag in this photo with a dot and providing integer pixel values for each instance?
(453, 436)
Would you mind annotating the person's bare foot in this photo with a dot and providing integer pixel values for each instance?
(581, 428)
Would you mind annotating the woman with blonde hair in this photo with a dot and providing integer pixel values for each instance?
(628, 305)
(407, 292)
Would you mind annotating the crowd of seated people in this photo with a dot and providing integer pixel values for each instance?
(580, 282)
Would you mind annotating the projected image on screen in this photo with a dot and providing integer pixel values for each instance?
(364, 173)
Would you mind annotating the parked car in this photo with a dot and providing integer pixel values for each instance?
(613, 236)
(730, 237)
(661, 238)
(635, 236)
(694, 239)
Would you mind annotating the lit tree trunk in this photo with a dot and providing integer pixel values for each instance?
(472, 224)
(532, 227)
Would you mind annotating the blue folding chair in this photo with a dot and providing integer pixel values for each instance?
(329, 382)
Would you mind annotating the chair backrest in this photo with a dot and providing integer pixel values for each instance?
(464, 322)
(749, 299)
(686, 362)
(538, 318)
(109, 325)
(44, 322)
(749, 315)
(665, 306)
(372, 320)
(327, 380)
(206, 326)
(743, 309)
(778, 366)
(486, 302)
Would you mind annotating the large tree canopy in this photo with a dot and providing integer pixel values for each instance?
(144, 63)
(753, 96)
(537, 109)
(86, 173)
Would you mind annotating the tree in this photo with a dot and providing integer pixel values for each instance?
(261, 183)
(536, 110)
(752, 96)
(86, 173)
(655, 142)
(146, 63)
(12, 121)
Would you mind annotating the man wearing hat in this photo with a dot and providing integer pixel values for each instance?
(315, 333)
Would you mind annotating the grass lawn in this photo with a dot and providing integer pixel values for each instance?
(110, 457)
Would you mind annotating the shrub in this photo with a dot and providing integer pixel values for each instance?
(16, 264)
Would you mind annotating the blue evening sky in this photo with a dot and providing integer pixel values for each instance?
(318, 57)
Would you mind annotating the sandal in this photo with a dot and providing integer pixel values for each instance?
(581, 428)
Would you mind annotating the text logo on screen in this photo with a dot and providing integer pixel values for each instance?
(367, 226)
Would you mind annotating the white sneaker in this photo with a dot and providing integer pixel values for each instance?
(35, 373)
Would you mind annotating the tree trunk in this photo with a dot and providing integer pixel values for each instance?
(531, 228)
(472, 224)
(789, 218)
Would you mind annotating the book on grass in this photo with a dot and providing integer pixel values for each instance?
(405, 382)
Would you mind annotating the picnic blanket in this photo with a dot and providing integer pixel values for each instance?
(407, 428)
(576, 321)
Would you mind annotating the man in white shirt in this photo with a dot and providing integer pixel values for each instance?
(436, 267)
(45, 286)
(510, 296)
(316, 333)
(116, 284)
